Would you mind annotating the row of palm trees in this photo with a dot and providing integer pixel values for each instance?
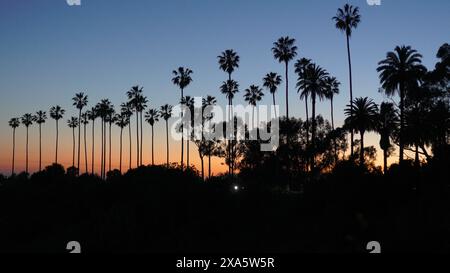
(398, 72)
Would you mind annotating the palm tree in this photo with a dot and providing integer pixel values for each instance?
(110, 119)
(182, 78)
(229, 89)
(57, 113)
(347, 19)
(313, 83)
(27, 120)
(229, 61)
(300, 67)
(387, 124)
(40, 118)
(92, 116)
(253, 95)
(284, 51)
(401, 69)
(141, 105)
(362, 117)
(332, 89)
(103, 109)
(166, 114)
(79, 101)
(122, 120)
(271, 82)
(188, 101)
(152, 116)
(208, 102)
(73, 123)
(85, 121)
(14, 123)
(134, 95)
(127, 110)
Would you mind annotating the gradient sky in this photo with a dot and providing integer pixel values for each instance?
(49, 51)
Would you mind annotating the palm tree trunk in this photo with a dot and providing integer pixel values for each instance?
(209, 165)
(287, 91)
(203, 168)
(182, 133)
(73, 146)
(85, 149)
(167, 142)
(385, 156)
(361, 154)
(93, 144)
(120, 160)
(402, 110)
(40, 147)
(313, 134)
(26, 164)
(416, 158)
(110, 146)
(103, 148)
(137, 138)
(153, 147)
(142, 137)
(332, 127)
(274, 109)
(351, 90)
(57, 135)
(129, 134)
(307, 120)
(187, 153)
(105, 135)
(14, 151)
(79, 142)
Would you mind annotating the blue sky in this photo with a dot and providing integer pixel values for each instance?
(50, 50)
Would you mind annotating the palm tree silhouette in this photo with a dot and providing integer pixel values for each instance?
(332, 89)
(271, 82)
(313, 83)
(110, 119)
(122, 120)
(14, 123)
(27, 121)
(57, 113)
(166, 114)
(152, 116)
(134, 96)
(229, 89)
(92, 116)
(103, 109)
(127, 110)
(40, 118)
(73, 123)
(141, 105)
(284, 51)
(362, 117)
(347, 19)
(253, 95)
(387, 124)
(79, 101)
(188, 101)
(182, 78)
(209, 101)
(401, 69)
(85, 121)
(300, 67)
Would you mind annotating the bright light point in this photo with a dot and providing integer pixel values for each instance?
(236, 188)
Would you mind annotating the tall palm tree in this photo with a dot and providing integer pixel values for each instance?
(57, 113)
(127, 110)
(188, 101)
(85, 121)
(79, 101)
(152, 116)
(362, 117)
(229, 89)
(73, 123)
(92, 116)
(166, 114)
(332, 89)
(14, 123)
(40, 118)
(182, 78)
(347, 19)
(229, 61)
(208, 102)
(103, 109)
(134, 95)
(253, 95)
(313, 83)
(300, 67)
(387, 124)
(401, 69)
(141, 105)
(27, 121)
(284, 51)
(271, 82)
(122, 120)
(110, 119)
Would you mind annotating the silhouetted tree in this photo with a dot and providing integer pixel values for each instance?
(347, 19)
(85, 121)
(300, 67)
(122, 120)
(398, 72)
(14, 123)
(188, 102)
(127, 109)
(229, 89)
(27, 121)
(152, 116)
(57, 113)
(166, 114)
(207, 115)
(362, 117)
(284, 51)
(271, 82)
(40, 118)
(386, 126)
(253, 95)
(134, 95)
(110, 119)
(79, 101)
(73, 123)
(92, 116)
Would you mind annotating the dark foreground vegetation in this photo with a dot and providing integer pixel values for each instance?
(159, 209)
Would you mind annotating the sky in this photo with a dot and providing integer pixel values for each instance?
(49, 51)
